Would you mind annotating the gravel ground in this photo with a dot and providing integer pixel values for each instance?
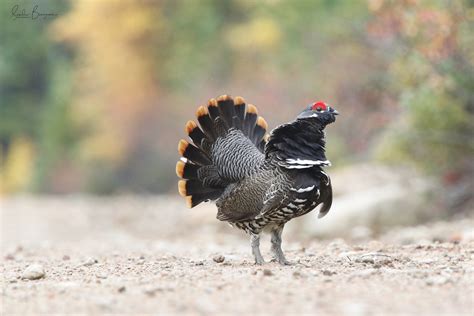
(148, 255)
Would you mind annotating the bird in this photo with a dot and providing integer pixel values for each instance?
(258, 181)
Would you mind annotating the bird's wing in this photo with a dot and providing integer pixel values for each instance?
(244, 200)
(289, 192)
(295, 146)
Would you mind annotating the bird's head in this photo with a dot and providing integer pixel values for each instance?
(319, 111)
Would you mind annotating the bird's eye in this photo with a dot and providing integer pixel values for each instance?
(319, 109)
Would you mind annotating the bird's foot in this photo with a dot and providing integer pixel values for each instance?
(259, 261)
(255, 243)
(282, 261)
(279, 256)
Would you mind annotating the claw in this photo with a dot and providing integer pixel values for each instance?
(282, 261)
(285, 262)
(259, 262)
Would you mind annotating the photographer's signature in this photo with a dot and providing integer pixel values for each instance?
(34, 14)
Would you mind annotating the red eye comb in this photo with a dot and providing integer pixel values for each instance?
(320, 105)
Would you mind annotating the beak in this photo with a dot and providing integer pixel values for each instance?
(333, 111)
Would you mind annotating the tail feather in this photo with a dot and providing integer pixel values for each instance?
(195, 133)
(213, 109)
(226, 109)
(193, 153)
(263, 142)
(202, 178)
(187, 170)
(205, 122)
(191, 187)
(195, 199)
(239, 108)
(250, 120)
(220, 127)
(259, 130)
(195, 192)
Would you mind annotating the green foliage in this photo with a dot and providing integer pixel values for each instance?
(29, 88)
(434, 81)
(433, 132)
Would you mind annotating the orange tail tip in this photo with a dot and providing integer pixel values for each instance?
(262, 123)
(224, 97)
(180, 168)
(182, 145)
(190, 126)
(252, 109)
(189, 201)
(239, 100)
(182, 187)
(202, 111)
(212, 102)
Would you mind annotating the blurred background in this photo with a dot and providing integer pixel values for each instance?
(94, 100)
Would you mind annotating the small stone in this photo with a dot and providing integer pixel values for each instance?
(297, 274)
(151, 291)
(90, 261)
(367, 259)
(101, 275)
(267, 272)
(66, 257)
(328, 272)
(218, 258)
(374, 258)
(9, 257)
(121, 289)
(33, 272)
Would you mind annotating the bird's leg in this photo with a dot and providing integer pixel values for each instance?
(255, 244)
(276, 246)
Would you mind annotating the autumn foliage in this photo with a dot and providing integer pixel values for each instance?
(96, 99)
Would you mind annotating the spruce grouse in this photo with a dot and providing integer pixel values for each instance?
(259, 181)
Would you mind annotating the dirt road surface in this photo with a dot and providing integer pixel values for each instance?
(149, 255)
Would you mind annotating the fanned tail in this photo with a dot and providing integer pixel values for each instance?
(201, 178)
